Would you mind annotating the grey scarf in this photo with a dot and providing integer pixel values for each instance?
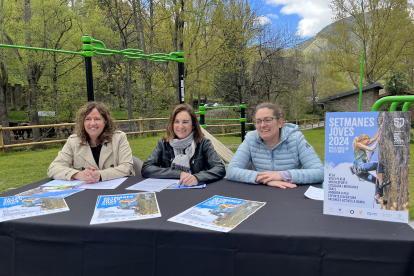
(183, 150)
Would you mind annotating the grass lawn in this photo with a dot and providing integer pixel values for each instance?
(21, 168)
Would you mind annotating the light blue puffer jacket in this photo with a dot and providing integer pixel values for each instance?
(290, 154)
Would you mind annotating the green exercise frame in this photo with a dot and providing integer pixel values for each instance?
(242, 119)
(92, 47)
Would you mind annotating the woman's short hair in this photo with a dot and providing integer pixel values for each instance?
(109, 128)
(277, 112)
(359, 139)
(198, 134)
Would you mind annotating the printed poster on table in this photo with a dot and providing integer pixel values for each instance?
(218, 213)
(16, 207)
(125, 207)
(367, 157)
(59, 193)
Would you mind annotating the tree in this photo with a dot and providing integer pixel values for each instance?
(380, 29)
(4, 78)
(312, 77)
(275, 70)
(237, 31)
(396, 84)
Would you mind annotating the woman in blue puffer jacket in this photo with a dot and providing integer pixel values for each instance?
(280, 155)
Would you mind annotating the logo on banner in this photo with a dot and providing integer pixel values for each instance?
(351, 211)
(398, 122)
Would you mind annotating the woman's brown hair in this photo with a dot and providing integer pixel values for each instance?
(110, 125)
(198, 134)
(277, 112)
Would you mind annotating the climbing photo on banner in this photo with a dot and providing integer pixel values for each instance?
(367, 158)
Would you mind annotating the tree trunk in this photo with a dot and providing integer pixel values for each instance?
(4, 79)
(394, 153)
(33, 115)
(4, 119)
(55, 96)
(128, 94)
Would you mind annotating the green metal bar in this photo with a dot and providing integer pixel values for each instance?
(391, 99)
(360, 81)
(223, 119)
(405, 106)
(394, 105)
(99, 48)
(211, 107)
(41, 49)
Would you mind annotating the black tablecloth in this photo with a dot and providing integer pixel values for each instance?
(288, 236)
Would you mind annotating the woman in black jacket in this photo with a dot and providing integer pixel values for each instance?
(184, 153)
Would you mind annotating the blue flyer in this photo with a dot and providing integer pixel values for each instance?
(218, 213)
(367, 156)
(46, 193)
(125, 207)
(178, 186)
(16, 207)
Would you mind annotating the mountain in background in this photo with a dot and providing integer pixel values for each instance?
(316, 43)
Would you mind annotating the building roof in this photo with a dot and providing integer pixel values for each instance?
(364, 88)
(407, 92)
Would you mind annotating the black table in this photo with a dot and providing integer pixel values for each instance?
(288, 236)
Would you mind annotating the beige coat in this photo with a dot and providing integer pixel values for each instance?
(115, 159)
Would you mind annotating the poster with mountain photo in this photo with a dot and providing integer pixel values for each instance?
(125, 207)
(218, 213)
(367, 156)
(17, 207)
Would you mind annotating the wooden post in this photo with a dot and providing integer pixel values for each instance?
(296, 121)
(312, 123)
(304, 122)
(1, 140)
(223, 129)
(141, 127)
(318, 121)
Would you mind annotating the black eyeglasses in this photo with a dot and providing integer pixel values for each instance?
(266, 120)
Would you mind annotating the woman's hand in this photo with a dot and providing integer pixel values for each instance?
(281, 184)
(187, 179)
(266, 177)
(89, 176)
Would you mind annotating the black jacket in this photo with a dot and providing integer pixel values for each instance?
(206, 165)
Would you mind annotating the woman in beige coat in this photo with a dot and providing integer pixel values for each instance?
(96, 152)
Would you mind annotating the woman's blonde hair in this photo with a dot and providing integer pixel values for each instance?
(198, 134)
(109, 128)
(359, 139)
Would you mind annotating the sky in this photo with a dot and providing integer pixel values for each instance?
(309, 16)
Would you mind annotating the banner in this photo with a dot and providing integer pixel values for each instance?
(367, 157)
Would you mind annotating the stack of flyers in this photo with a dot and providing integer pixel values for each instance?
(152, 185)
(125, 207)
(15, 207)
(49, 193)
(218, 213)
(61, 185)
